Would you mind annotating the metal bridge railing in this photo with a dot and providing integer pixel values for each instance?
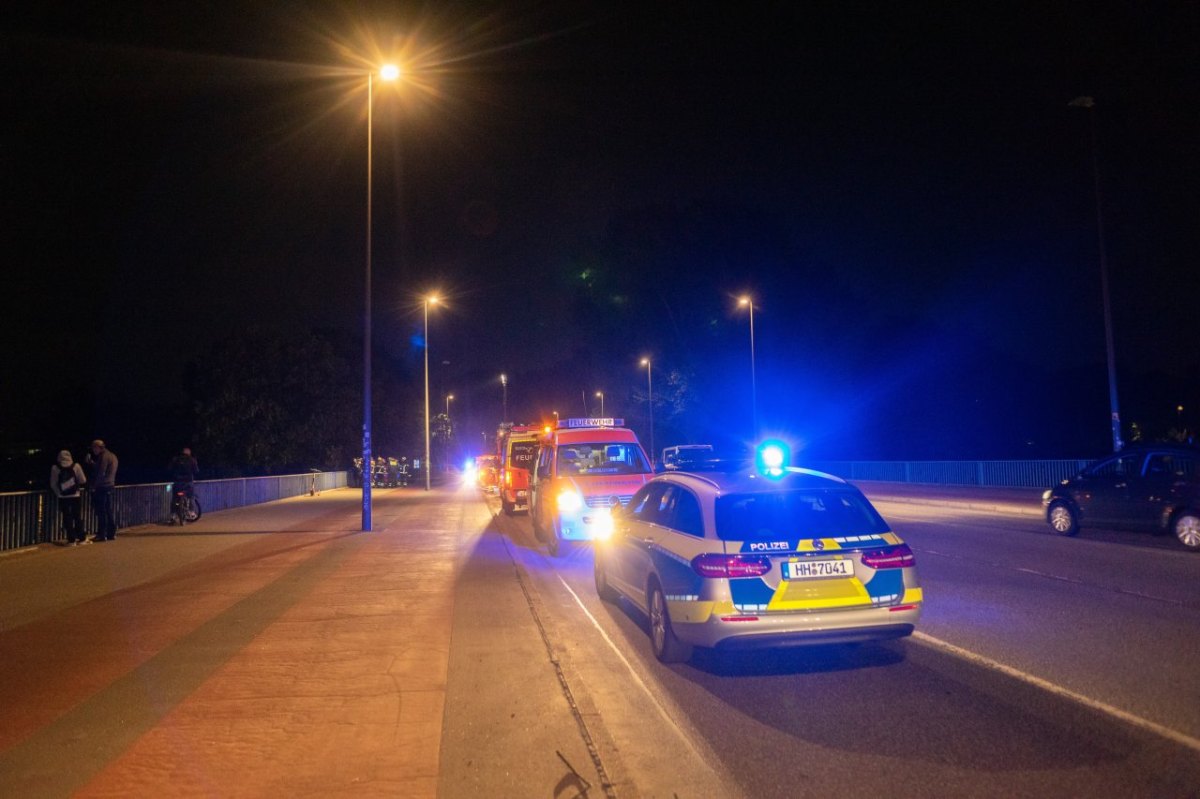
(991, 474)
(31, 517)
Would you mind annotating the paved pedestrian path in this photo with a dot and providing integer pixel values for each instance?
(269, 651)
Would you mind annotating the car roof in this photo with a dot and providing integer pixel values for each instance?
(747, 480)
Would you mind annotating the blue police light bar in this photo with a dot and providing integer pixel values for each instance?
(591, 422)
(772, 459)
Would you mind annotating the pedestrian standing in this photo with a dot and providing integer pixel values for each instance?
(66, 481)
(103, 488)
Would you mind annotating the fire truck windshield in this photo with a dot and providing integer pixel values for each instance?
(601, 458)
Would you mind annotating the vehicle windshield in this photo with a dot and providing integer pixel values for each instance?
(522, 454)
(601, 458)
(796, 514)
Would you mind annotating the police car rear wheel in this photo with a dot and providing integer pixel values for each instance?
(603, 589)
(667, 648)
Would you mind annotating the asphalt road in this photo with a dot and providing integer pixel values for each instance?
(1043, 666)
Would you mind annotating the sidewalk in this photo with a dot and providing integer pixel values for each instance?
(1010, 501)
(264, 651)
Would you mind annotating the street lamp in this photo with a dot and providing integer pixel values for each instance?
(430, 300)
(1090, 105)
(389, 72)
(555, 419)
(650, 402)
(504, 387)
(748, 302)
(448, 398)
(600, 394)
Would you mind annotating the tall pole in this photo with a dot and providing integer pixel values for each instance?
(753, 379)
(504, 389)
(366, 439)
(600, 394)
(428, 465)
(749, 301)
(1090, 104)
(650, 402)
(448, 398)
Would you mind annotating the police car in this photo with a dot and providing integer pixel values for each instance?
(761, 556)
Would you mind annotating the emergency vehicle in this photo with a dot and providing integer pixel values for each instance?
(585, 468)
(518, 450)
(487, 469)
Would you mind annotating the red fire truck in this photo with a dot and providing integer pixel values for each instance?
(518, 449)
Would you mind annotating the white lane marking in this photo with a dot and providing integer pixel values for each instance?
(1124, 715)
(636, 678)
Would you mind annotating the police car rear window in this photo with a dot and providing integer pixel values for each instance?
(601, 458)
(796, 514)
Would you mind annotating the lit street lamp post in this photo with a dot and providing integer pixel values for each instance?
(600, 394)
(433, 300)
(1090, 105)
(504, 388)
(448, 398)
(650, 403)
(748, 301)
(389, 72)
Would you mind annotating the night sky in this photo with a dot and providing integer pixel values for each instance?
(902, 187)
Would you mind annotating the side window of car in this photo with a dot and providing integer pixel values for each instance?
(686, 517)
(644, 505)
(1164, 464)
(1123, 466)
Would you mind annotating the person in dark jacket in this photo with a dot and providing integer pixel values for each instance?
(67, 481)
(103, 485)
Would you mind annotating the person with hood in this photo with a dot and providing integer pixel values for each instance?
(66, 481)
(103, 488)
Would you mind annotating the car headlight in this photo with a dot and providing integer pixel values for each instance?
(570, 501)
(601, 525)
(1046, 495)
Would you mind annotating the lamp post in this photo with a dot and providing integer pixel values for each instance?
(600, 394)
(388, 72)
(504, 388)
(431, 300)
(650, 402)
(748, 302)
(555, 419)
(1090, 105)
(448, 398)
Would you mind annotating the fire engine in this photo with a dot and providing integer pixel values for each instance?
(517, 446)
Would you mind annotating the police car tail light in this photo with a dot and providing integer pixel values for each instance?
(897, 557)
(712, 564)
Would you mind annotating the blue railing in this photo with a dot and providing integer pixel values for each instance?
(31, 517)
(992, 474)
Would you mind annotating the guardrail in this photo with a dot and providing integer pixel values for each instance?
(992, 474)
(31, 517)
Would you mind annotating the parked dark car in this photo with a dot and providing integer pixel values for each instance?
(1146, 487)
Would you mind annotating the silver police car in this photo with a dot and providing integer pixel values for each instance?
(758, 558)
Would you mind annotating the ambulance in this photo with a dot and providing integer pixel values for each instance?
(518, 449)
(584, 469)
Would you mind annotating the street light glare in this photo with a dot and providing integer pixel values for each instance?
(433, 300)
(389, 72)
(645, 361)
(743, 300)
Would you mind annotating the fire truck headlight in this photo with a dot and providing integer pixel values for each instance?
(570, 501)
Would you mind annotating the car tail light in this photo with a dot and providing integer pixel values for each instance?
(712, 564)
(897, 557)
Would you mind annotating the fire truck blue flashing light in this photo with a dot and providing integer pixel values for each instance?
(772, 458)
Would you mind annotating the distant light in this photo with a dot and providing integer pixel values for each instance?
(645, 361)
(389, 72)
(743, 300)
(433, 299)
